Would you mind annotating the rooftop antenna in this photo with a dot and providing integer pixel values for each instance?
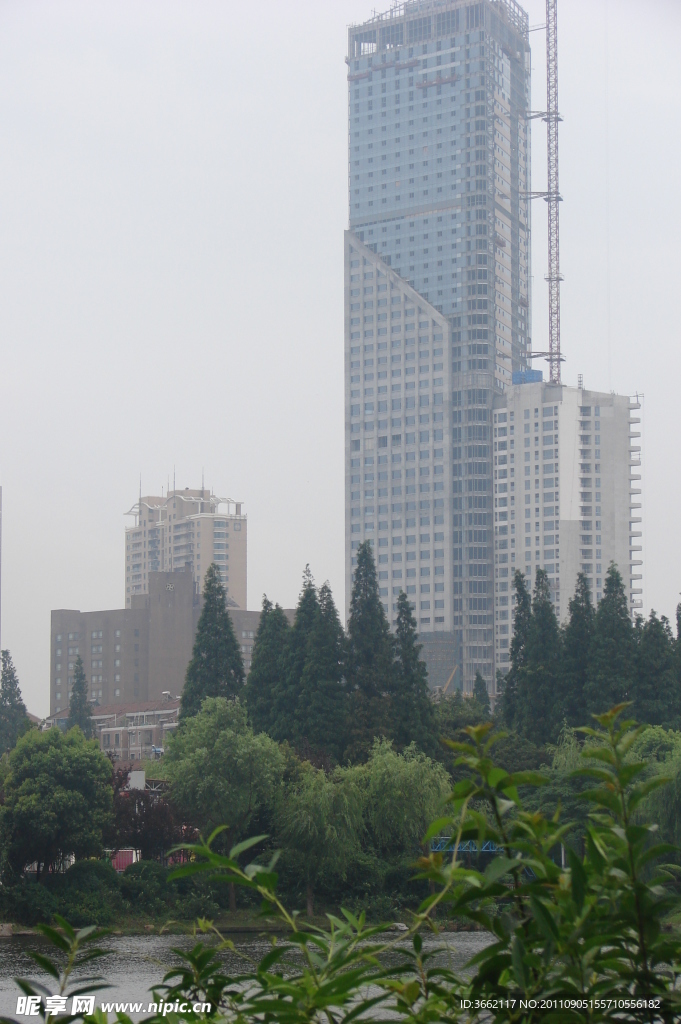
(174, 478)
(139, 507)
(203, 473)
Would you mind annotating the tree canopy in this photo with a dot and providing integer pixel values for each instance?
(216, 668)
(220, 771)
(611, 663)
(80, 712)
(320, 721)
(319, 824)
(369, 659)
(412, 708)
(263, 687)
(560, 675)
(58, 799)
(330, 694)
(537, 673)
(577, 638)
(14, 721)
(655, 690)
(481, 694)
(295, 689)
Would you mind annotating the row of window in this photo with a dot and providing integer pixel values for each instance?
(95, 635)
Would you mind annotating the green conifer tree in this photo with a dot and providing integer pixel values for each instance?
(481, 694)
(267, 667)
(538, 716)
(80, 711)
(321, 711)
(577, 637)
(370, 659)
(677, 650)
(412, 709)
(13, 718)
(288, 694)
(522, 613)
(655, 691)
(611, 667)
(216, 668)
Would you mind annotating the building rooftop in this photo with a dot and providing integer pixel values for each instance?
(112, 710)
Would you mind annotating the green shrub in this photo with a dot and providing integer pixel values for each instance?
(144, 881)
(145, 886)
(27, 902)
(90, 876)
(88, 893)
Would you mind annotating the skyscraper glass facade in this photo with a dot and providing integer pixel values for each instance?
(437, 295)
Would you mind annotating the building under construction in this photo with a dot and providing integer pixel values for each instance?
(437, 300)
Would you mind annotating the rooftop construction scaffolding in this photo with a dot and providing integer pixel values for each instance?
(553, 194)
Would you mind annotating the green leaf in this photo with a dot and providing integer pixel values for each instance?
(245, 845)
(578, 879)
(45, 963)
(518, 961)
(544, 919)
(500, 866)
(271, 958)
(66, 927)
(496, 776)
(649, 786)
(436, 827)
(215, 833)
(54, 936)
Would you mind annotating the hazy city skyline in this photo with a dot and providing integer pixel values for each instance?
(175, 193)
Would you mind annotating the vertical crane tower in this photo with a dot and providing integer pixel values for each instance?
(553, 195)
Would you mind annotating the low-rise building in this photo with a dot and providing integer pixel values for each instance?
(130, 732)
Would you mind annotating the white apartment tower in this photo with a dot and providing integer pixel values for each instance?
(567, 495)
(187, 529)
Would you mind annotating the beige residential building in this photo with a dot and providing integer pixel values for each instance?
(567, 496)
(186, 528)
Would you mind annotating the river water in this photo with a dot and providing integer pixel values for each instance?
(135, 963)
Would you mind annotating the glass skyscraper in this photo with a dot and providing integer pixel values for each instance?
(437, 305)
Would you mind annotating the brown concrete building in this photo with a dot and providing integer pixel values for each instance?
(186, 529)
(138, 653)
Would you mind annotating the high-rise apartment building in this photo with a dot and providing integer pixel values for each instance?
(437, 300)
(567, 495)
(186, 529)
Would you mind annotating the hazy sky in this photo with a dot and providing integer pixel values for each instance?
(173, 194)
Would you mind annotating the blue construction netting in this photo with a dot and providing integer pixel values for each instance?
(527, 376)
